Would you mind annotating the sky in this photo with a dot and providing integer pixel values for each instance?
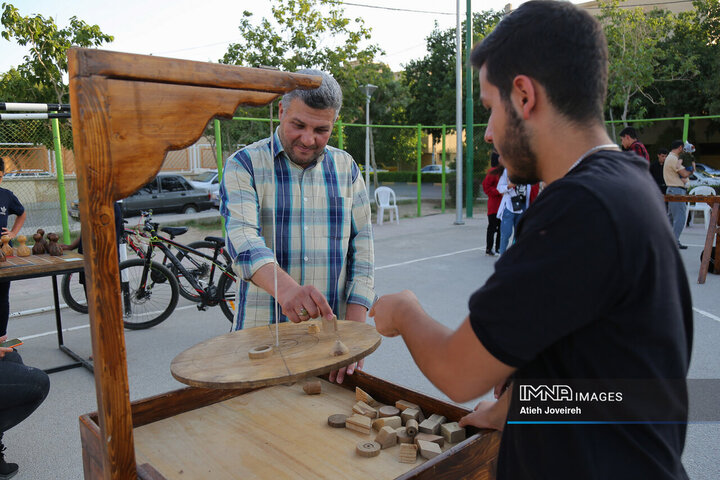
(202, 29)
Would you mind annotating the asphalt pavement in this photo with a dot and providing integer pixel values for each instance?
(441, 262)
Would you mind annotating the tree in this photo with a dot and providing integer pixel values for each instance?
(641, 57)
(41, 73)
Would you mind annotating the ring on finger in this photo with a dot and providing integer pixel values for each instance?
(303, 313)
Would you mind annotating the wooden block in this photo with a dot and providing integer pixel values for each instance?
(313, 328)
(411, 427)
(403, 405)
(339, 349)
(402, 436)
(368, 449)
(394, 422)
(261, 351)
(364, 409)
(388, 411)
(359, 423)
(386, 437)
(408, 453)
(337, 420)
(362, 396)
(409, 413)
(432, 424)
(452, 432)
(428, 437)
(428, 449)
(329, 326)
(313, 387)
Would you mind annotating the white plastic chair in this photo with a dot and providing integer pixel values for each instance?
(385, 200)
(700, 206)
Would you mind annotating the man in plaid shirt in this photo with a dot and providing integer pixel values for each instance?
(322, 231)
(629, 140)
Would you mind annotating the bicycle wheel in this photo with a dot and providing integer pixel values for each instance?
(147, 305)
(227, 290)
(73, 292)
(198, 267)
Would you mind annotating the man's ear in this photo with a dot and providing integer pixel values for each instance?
(524, 95)
(280, 110)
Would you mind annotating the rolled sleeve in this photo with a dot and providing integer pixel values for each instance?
(360, 284)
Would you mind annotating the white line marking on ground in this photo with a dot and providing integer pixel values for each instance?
(707, 314)
(428, 258)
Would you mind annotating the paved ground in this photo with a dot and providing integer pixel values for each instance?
(443, 263)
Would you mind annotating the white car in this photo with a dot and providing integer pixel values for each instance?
(707, 169)
(700, 178)
(435, 169)
(208, 180)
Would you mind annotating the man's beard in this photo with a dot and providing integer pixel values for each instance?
(516, 152)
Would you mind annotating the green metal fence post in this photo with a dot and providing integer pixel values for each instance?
(442, 191)
(340, 134)
(419, 166)
(60, 180)
(686, 126)
(469, 200)
(219, 156)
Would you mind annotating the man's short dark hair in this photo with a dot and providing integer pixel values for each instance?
(676, 143)
(556, 43)
(663, 151)
(2, 165)
(630, 132)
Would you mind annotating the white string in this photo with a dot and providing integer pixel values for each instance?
(274, 229)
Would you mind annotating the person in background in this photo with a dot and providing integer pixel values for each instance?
(489, 186)
(629, 140)
(22, 390)
(9, 205)
(656, 169)
(675, 175)
(516, 198)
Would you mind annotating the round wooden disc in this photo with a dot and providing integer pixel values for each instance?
(223, 362)
(388, 411)
(337, 420)
(260, 352)
(368, 449)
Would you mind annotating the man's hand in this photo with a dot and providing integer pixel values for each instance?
(303, 302)
(354, 313)
(489, 414)
(390, 309)
(8, 232)
(4, 350)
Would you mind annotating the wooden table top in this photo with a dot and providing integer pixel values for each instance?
(223, 362)
(17, 268)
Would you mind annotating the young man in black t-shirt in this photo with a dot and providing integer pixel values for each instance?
(593, 295)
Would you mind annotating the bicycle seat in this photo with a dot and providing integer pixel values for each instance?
(174, 231)
(217, 240)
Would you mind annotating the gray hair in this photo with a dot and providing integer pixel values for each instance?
(327, 95)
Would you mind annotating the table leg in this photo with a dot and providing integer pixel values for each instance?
(710, 236)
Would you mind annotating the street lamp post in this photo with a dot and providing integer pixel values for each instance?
(369, 89)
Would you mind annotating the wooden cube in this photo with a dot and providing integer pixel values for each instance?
(404, 405)
(402, 435)
(409, 413)
(408, 453)
(386, 437)
(432, 424)
(428, 449)
(452, 432)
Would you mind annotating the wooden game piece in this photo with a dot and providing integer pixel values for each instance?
(432, 424)
(337, 420)
(364, 409)
(339, 348)
(6, 248)
(39, 247)
(408, 453)
(255, 353)
(386, 437)
(452, 432)
(404, 405)
(394, 422)
(411, 427)
(53, 248)
(409, 413)
(359, 423)
(428, 449)
(428, 437)
(313, 328)
(368, 449)
(329, 325)
(22, 249)
(402, 435)
(388, 411)
(313, 387)
(362, 396)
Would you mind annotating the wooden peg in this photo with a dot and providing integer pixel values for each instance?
(313, 387)
(22, 249)
(39, 247)
(386, 437)
(6, 248)
(411, 427)
(402, 435)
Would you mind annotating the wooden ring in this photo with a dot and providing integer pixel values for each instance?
(368, 449)
(260, 352)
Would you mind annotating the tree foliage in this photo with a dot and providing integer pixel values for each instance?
(41, 74)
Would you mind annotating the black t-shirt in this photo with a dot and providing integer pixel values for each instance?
(594, 288)
(656, 170)
(9, 205)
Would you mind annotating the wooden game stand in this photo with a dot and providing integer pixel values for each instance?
(128, 112)
(713, 233)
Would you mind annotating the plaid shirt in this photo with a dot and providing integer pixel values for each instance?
(322, 230)
(640, 149)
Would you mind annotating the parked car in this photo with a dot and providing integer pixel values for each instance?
(701, 178)
(435, 169)
(166, 193)
(27, 174)
(713, 172)
(209, 180)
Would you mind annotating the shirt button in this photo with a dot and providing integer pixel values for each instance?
(306, 259)
(305, 228)
(305, 199)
